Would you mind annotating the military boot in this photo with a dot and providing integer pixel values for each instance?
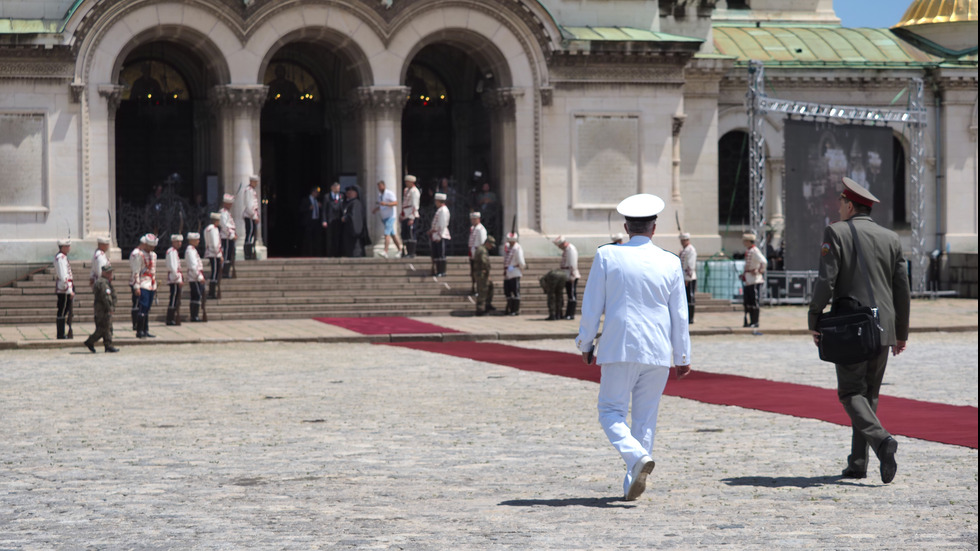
(60, 324)
(146, 328)
(570, 312)
(194, 311)
(516, 309)
(170, 316)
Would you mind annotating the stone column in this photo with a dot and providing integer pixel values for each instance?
(241, 108)
(381, 115)
(501, 103)
(112, 93)
(675, 167)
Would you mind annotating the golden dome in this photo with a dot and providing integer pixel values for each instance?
(939, 11)
(946, 28)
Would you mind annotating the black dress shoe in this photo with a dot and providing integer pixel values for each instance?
(111, 349)
(851, 472)
(91, 347)
(886, 455)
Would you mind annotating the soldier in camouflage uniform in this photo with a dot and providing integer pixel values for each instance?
(553, 284)
(105, 305)
(481, 274)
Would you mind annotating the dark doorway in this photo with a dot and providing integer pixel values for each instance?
(733, 179)
(446, 138)
(156, 154)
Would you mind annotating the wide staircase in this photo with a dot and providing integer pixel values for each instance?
(307, 288)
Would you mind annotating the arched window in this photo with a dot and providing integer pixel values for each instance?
(154, 82)
(733, 179)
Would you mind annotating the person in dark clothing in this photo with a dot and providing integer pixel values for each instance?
(333, 210)
(310, 214)
(353, 220)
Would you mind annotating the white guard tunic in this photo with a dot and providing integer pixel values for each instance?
(569, 262)
(251, 205)
(64, 282)
(689, 262)
(478, 235)
(195, 270)
(755, 266)
(513, 260)
(212, 242)
(99, 259)
(173, 266)
(410, 203)
(227, 225)
(440, 224)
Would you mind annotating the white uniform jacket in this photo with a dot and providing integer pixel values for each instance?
(754, 260)
(212, 242)
(569, 262)
(143, 265)
(195, 269)
(251, 204)
(478, 236)
(513, 261)
(410, 203)
(99, 259)
(640, 288)
(173, 266)
(227, 225)
(689, 262)
(64, 283)
(440, 224)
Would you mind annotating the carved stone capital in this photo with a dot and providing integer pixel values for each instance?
(76, 89)
(112, 94)
(501, 100)
(675, 129)
(381, 101)
(249, 97)
(547, 95)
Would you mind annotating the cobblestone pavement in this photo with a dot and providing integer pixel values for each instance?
(357, 446)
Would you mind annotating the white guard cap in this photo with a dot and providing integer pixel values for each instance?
(641, 205)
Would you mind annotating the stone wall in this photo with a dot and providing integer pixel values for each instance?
(960, 274)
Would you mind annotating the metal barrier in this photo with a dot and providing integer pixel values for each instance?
(721, 279)
(790, 286)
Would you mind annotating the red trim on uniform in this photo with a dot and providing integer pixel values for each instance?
(854, 197)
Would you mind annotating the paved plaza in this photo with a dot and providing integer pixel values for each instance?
(279, 445)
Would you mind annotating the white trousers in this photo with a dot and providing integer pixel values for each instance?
(645, 385)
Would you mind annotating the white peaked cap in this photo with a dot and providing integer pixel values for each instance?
(641, 205)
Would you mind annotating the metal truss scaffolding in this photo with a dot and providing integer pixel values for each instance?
(914, 118)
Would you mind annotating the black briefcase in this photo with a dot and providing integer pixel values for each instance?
(849, 335)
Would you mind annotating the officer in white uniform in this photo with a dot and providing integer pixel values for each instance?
(99, 259)
(228, 234)
(175, 279)
(569, 265)
(478, 235)
(145, 284)
(752, 278)
(411, 198)
(212, 251)
(689, 263)
(251, 215)
(195, 277)
(64, 288)
(439, 235)
(513, 266)
(640, 289)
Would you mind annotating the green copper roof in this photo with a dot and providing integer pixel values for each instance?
(817, 46)
(623, 34)
(29, 26)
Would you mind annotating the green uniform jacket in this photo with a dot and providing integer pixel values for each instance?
(481, 263)
(841, 276)
(105, 297)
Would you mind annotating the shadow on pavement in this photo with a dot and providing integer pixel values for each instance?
(600, 502)
(785, 481)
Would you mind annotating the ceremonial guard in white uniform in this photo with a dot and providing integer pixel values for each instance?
(439, 235)
(251, 216)
(639, 287)
(409, 215)
(175, 279)
(228, 235)
(145, 271)
(478, 235)
(212, 251)
(99, 259)
(195, 277)
(513, 266)
(135, 261)
(689, 263)
(64, 288)
(752, 278)
(569, 264)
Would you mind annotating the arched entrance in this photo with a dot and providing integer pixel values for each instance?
(308, 140)
(164, 151)
(447, 137)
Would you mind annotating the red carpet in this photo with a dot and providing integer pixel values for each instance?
(386, 326)
(942, 423)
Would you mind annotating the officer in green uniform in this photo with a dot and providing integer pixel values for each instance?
(841, 275)
(481, 273)
(553, 284)
(105, 305)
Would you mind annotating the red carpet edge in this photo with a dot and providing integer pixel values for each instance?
(946, 424)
